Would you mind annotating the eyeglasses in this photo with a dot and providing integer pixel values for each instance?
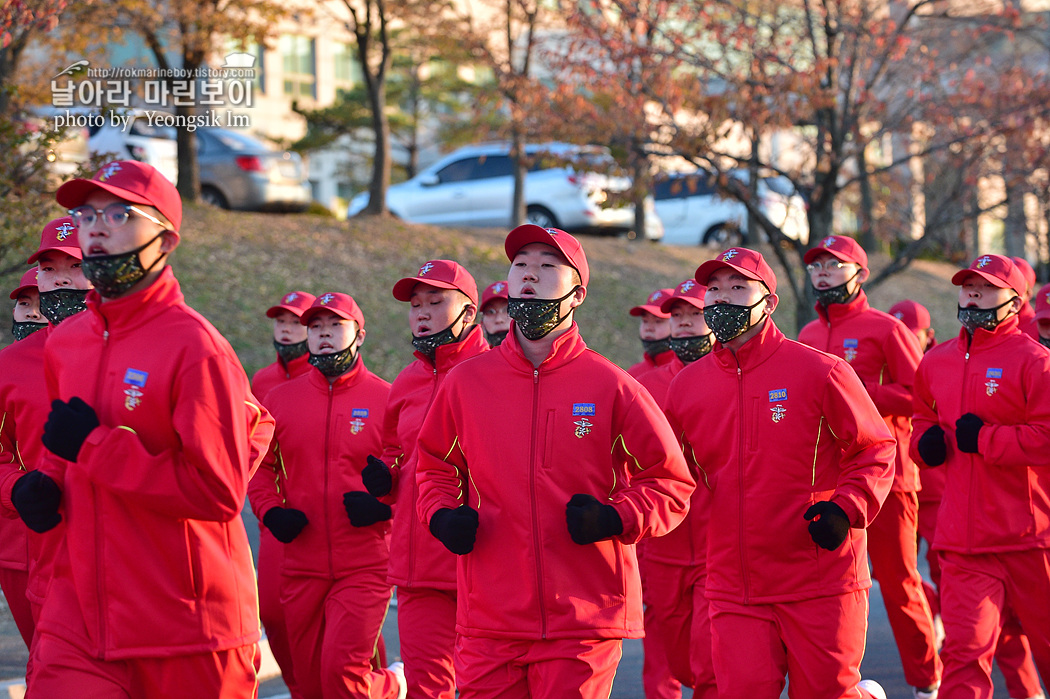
(113, 216)
(832, 265)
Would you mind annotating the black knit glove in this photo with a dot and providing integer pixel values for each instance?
(931, 446)
(967, 430)
(828, 524)
(457, 529)
(285, 523)
(67, 426)
(376, 477)
(36, 497)
(589, 520)
(364, 510)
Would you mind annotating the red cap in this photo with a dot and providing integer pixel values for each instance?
(841, 246)
(688, 291)
(340, 304)
(60, 235)
(138, 183)
(996, 269)
(1026, 271)
(747, 262)
(1042, 303)
(294, 302)
(565, 243)
(495, 290)
(28, 281)
(443, 274)
(912, 314)
(653, 304)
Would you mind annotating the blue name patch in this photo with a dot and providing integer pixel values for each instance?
(779, 394)
(136, 377)
(849, 343)
(994, 374)
(359, 412)
(583, 409)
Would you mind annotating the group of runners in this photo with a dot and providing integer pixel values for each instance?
(532, 503)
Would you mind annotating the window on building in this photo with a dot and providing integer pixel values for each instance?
(299, 64)
(347, 69)
(256, 50)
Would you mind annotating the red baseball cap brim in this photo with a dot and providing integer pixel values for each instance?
(657, 311)
(959, 277)
(565, 243)
(704, 272)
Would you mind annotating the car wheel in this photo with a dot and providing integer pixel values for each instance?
(541, 217)
(213, 197)
(722, 237)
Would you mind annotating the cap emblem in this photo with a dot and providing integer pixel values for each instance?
(728, 255)
(689, 284)
(425, 268)
(291, 297)
(828, 242)
(64, 230)
(326, 299)
(108, 171)
(983, 262)
(498, 288)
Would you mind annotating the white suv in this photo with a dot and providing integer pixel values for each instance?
(474, 185)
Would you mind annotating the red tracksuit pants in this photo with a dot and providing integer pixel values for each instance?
(490, 668)
(13, 583)
(658, 681)
(333, 627)
(683, 624)
(426, 627)
(1012, 652)
(63, 669)
(893, 549)
(976, 590)
(817, 644)
(271, 555)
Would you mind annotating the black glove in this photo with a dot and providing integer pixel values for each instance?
(364, 510)
(68, 426)
(36, 497)
(967, 429)
(828, 524)
(589, 520)
(457, 529)
(376, 477)
(931, 447)
(285, 523)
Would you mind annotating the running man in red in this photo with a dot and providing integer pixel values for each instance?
(1042, 315)
(153, 591)
(494, 319)
(540, 464)
(784, 435)
(289, 340)
(61, 288)
(884, 353)
(442, 300)
(333, 583)
(982, 413)
(1026, 316)
(654, 329)
(674, 566)
(26, 315)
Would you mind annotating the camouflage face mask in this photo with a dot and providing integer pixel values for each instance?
(835, 294)
(113, 275)
(58, 304)
(985, 318)
(22, 329)
(427, 345)
(287, 353)
(691, 348)
(537, 317)
(655, 347)
(336, 363)
(729, 320)
(495, 339)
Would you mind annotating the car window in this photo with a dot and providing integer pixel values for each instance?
(780, 185)
(692, 185)
(142, 127)
(459, 171)
(489, 166)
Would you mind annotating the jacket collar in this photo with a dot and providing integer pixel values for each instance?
(665, 357)
(838, 312)
(753, 352)
(985, 339)
(134, 310)
(297, 365)
(448, 356)
(566, 347)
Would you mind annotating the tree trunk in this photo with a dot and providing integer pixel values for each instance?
(517, 154)
(867, 206)
(381, 162)
(640, 177)
(189, 184)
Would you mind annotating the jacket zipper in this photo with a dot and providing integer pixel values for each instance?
(532, 493)
(415, 488)
(327, 452)
(740, 469)
(103, 604)
(973, 469)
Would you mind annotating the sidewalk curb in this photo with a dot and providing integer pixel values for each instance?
(268, 670)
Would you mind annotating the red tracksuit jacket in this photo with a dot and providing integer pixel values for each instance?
(325, 433)
(776, 428)
(155, 560)
(417, 559)
(649, 363)
(516, 443)
(998, 499)
(273, 375)
(885, 354)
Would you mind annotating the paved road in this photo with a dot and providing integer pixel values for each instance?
(881, 662)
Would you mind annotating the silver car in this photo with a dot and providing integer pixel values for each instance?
(474, 186)
(241, 172)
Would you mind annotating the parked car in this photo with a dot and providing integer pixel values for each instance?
(695, 213)
(474, 186)
(237, 171)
